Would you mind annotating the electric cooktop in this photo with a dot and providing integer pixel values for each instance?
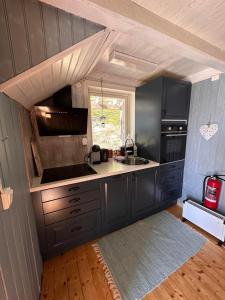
(67, 172)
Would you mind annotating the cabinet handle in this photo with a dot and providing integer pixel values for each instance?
(78, 228)
(74, 200)
(77, 210)
(76, 188)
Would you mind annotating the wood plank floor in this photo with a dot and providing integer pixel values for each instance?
(78, 275)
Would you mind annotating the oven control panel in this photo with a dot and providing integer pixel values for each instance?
(173, 126)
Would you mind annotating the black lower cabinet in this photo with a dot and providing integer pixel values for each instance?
(143, 192)
(116, 210)
(74, 214)
(169, 183)
(64, 235)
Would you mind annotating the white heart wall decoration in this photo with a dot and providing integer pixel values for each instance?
(208, 131)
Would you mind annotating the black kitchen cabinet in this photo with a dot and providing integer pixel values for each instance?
(67, 216)
(71, 215)
(175, 99)
(169, 183)
(143, 191)
(161, 98)
(116, 202)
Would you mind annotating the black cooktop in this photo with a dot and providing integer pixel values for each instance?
(67, 172)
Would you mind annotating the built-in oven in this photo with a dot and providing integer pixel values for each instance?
(173, 140)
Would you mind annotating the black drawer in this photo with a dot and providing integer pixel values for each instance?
(68, 190)
(172, 166)
(71, 212)
(73, 200)
(170, 195)
(171, 177)
(72, 229)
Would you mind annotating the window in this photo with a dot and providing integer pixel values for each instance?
(109, 120)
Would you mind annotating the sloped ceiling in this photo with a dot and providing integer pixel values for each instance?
(203, 18)
(65, 68)
(32, 32)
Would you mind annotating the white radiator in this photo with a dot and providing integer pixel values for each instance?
(208, 220)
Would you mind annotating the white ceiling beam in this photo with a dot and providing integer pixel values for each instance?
(126, 16)
(202, 75)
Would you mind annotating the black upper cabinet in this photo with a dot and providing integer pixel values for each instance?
(161, 98)
(147, 119)
(176, 99)
(144, 184)
(116, 203)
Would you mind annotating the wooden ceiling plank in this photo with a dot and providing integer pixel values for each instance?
(128, 17)
(51, 60)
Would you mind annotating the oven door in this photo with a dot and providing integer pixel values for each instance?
(172, 147)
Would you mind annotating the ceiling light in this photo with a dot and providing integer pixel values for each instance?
(131, 62)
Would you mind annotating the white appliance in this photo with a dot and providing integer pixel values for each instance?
(208, 220)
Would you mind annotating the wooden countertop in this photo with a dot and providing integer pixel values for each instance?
(104, 169)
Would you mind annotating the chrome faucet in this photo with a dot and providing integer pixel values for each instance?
(125, 147)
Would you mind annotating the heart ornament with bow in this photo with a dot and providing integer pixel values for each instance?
(208, 131)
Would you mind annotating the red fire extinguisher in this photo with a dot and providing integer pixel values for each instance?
(212, 186)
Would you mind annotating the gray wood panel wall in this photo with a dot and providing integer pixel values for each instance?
(202, 157)
(31, 32)
(20, 260)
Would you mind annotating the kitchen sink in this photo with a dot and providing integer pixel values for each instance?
(134, 161)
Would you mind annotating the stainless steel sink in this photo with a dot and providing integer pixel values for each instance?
(134, 161)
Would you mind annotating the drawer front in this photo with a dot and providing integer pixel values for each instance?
(171, 177)
(170, 195)
(71, 212)
(73, 200)
(68, 190)
(72, 229)
(172, 166)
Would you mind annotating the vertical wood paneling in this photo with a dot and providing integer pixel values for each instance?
(33, 32)
(78, 26)
(5, 55)
(51, 30)
(65, 30)
(205, 157)
(18, 35)
(22, 270)
(33, 15)
(91, 28)
(3, 293)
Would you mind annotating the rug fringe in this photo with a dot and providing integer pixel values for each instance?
(108, 275)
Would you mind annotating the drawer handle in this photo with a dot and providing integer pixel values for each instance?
(76, 188)
(77, 210)
(74, 200)
(76, 229)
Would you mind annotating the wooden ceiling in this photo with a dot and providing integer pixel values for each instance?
(204, 18)
(65, 68)
(185, 38)
(169, 63)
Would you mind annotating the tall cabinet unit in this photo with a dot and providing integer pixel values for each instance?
(161, 100)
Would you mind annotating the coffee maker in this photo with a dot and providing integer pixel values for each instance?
(95, 155)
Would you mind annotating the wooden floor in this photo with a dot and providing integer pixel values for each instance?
(78, 275)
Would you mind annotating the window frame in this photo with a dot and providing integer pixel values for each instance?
(114, 94)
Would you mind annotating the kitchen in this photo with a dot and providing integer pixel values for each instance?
(80, 222)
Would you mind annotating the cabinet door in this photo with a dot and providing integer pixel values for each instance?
(144, 183)
(116, 209)
(176, 99)
(169, 183)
